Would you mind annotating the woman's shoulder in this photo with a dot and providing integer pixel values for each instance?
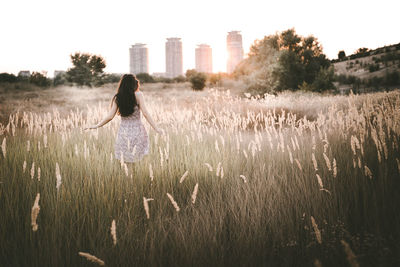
(138, 93)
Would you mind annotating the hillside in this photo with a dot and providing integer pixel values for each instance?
(369, 65)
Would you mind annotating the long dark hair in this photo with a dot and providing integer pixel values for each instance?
(125, 97)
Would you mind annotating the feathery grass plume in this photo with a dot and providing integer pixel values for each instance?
(398, 164)
(216, 146)
(161, 158)
(92, 258)
(113, 230)
(35, 213)
(28, 146)
(359, 163)
(45, 141)
(24, 166)
(297, 142)
(314, 162)
(122, 159)
(293, 144)
(351, 258)
(76, 150)
(218, 169)
(151, 172)
(209, 167)
(38, 173)
(222, 140)
(354, 163)
(146, 206)
(321, 185)
(353, 144)
(316, 230)
(58, 177)
(33, 170)
(3, 147)
(243, 178)
(327, 161)
(334, 168)
(38, 145)
(126, 169)
(173, 202)
(194, 194)
(367, 172)
(290, 156)
(245, 153)
(298, 164)
(314, 145)
(222, 172)
(183, 176)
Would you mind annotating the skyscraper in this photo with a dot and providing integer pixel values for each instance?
(204, 58)
(235, 50)
(138, 59)
(173, 57)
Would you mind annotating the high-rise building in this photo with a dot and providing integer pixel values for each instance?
(138, 59)
(235, 50)
(204, 58)
(173, 57)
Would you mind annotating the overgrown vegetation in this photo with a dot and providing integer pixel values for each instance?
(286, 61)
(272, 189)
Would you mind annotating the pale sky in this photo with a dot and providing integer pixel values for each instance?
(40, 35)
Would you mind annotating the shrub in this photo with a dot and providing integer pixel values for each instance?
(373, 67)
(39, 79)
(9, 78)
(145, 78)
(198, 81)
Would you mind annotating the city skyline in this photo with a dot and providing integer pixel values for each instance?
(234, 47)
(203, 58)
(173, 57)
(38, 35)
(138, 59)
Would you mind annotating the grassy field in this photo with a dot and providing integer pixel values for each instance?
(292, 180)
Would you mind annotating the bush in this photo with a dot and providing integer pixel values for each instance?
(373, 67)
(145, 78)
(198, 81)
(39, 79)
(8, 78)
(179, 79)
(392, 78)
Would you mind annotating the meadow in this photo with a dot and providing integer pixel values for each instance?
(290, 180)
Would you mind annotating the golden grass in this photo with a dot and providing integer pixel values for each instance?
(262, 165)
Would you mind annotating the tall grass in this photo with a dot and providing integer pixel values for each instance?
(231, 183)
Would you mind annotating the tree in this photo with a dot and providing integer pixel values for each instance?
(87, 69)
(190, 73)
(198, 81)
(145, 78)
(282, 62)
(341, 55)
(39, 79)
(215, 79)
(9, 78)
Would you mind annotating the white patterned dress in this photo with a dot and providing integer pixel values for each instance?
(132, 141)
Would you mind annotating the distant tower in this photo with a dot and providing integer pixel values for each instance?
(204, 58)
(235, 50)
(173, 57)
(138, 59)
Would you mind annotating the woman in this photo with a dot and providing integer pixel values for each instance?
(132, 141)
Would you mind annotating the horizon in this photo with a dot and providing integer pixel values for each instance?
(55, 36)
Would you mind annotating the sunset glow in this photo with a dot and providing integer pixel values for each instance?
(40, 35)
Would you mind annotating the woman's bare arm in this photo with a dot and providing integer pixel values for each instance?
(108, 118)
(142, 106)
